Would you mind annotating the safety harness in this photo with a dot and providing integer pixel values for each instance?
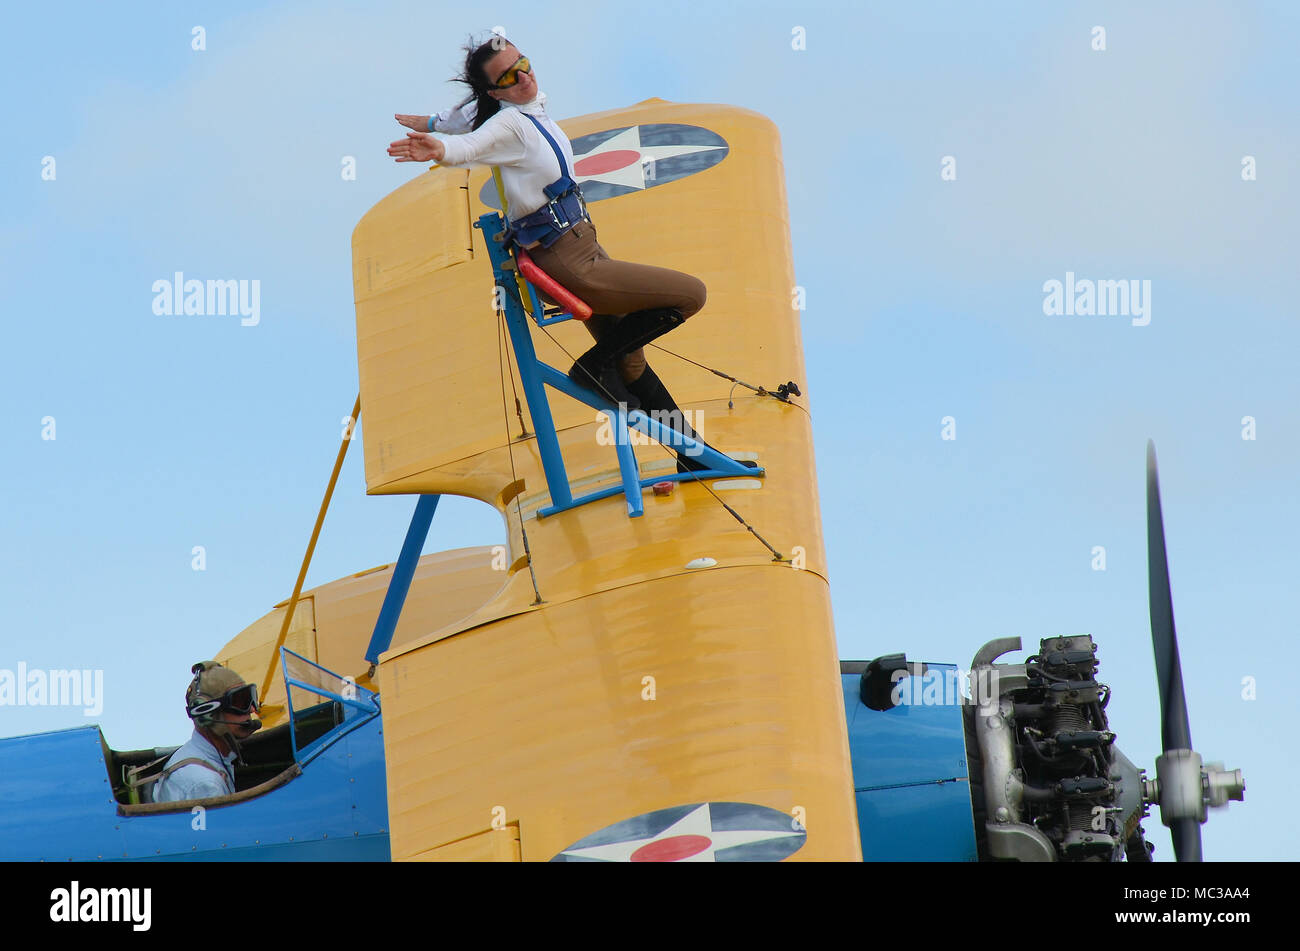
(142, 786)
(565, 208)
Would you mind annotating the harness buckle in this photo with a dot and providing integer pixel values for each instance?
(555, 218)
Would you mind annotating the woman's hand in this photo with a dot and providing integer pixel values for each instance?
(418, 123)
(417, 147)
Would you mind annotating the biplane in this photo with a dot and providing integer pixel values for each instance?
(647, 670)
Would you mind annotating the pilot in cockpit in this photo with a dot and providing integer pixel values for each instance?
(221, 705)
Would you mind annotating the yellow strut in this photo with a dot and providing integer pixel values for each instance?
(311, 547)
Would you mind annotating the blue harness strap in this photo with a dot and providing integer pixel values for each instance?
(564, 179)
(565, 208)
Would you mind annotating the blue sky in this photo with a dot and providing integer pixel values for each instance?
(924, 301)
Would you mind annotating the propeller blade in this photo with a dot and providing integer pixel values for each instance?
(1175, 731)
(1186, 834)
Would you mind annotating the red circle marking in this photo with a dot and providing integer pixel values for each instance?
(606, 162)
(671, 849)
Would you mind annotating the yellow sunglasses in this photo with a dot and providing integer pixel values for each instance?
(511, 75)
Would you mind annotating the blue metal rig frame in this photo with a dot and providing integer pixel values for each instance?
(536, 376)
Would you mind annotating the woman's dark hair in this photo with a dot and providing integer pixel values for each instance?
(476, 56)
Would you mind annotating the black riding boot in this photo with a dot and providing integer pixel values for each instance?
(655, 398)
(597, 369)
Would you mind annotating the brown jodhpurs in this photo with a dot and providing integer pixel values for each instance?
(614, 288)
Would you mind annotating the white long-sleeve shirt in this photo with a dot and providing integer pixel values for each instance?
(512, 142)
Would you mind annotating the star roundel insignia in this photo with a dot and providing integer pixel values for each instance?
(701, 832)
(634, 158)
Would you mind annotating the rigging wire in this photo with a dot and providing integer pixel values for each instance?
(782, 392)
(519, 409)
(776, 555)
(510, 451)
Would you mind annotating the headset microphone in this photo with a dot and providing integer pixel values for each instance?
(251, 725)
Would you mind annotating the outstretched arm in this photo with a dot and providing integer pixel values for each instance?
(454, 121)
(418, 123)
(417, 147)
(499, 141)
